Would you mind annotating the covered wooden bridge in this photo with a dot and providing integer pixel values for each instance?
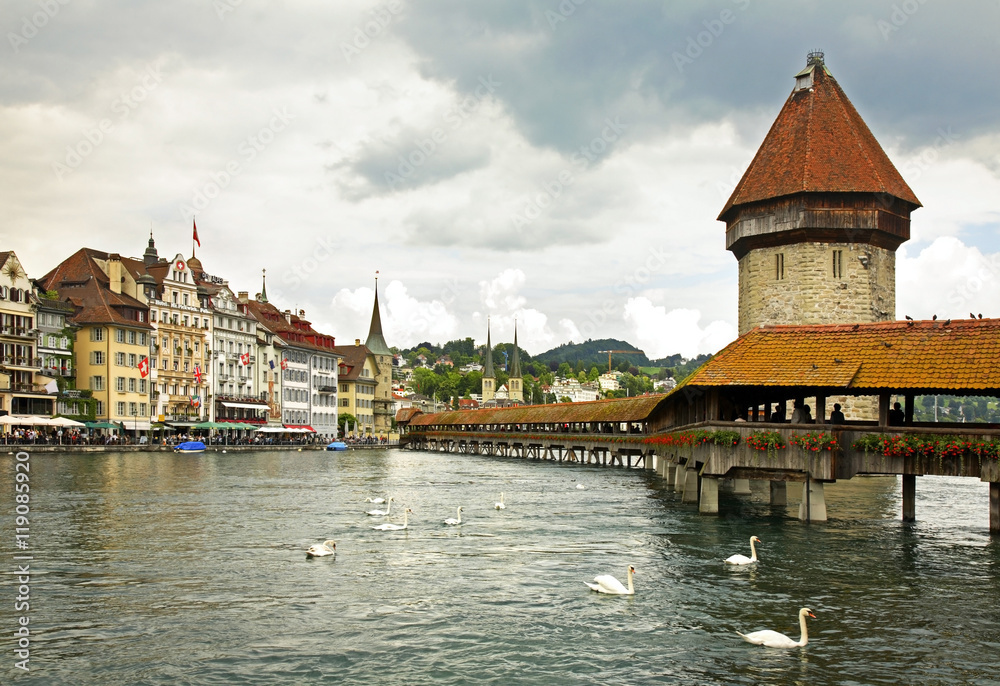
(721, 424)
(606, 432)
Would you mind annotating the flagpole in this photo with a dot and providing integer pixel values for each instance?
(194, 223)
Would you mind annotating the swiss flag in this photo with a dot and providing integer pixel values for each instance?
(284, 363)
(144, 367)
(245, 359)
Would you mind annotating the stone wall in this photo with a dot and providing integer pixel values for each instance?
(810, 292)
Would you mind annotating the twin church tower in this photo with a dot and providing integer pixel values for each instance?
(817, 217)
(515, 382)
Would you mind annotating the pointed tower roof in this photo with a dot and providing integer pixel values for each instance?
(263, 286)
(818, 143)
(488, 372)
(515, 366)
(376, 341)
(150, 256)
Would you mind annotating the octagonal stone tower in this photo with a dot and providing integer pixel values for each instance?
(817, 217)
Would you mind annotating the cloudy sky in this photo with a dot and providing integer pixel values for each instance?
(561, 162)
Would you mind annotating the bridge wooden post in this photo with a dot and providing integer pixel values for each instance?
(909, 497)
(708, 503)
(779, 493)
(690, 485)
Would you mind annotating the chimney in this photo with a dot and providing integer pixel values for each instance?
(357, 341)
(115, 273)
(243, 296)
(288, 316)
(302, 314)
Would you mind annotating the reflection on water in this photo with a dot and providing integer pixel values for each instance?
(165, 569)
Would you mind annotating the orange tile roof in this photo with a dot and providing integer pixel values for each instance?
(818, 143)
(959, 355)
(616, 410)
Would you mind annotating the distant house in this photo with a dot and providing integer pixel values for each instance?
(472, 367)
(468, 404)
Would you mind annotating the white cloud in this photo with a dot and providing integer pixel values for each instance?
(660, 333)
(406, 320)
(948, 278)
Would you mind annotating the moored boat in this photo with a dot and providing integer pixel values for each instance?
(336, 445)
(190, 447)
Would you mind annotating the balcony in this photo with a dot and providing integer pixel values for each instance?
(21, 361)
(326, 389)
(18, 331)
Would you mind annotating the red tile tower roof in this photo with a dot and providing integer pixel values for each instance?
(818, 143)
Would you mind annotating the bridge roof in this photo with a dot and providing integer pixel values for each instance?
(961, 355)
(616, 410)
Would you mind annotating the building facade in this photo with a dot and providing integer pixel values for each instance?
(383, 408)
(22, 388)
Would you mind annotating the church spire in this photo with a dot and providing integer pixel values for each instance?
(515, 366)
(263, 286)
(488, 362)
(376, 341)
(150, 256)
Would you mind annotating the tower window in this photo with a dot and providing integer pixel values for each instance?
(838, 264)
(779, 266)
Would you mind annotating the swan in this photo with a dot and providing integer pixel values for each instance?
(452, 521)
(395, 527)
(381, 513)
(581, 486)
(500, 505)
(376, 501)
(322, 549)
(605, 583)
(772, 639)
(743, 559)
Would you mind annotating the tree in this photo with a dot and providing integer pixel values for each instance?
(344, 418)
(564, 370)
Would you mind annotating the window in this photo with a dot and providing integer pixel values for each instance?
(838, 264)
(197, 345)
(143, 410)
(121, 409)
(185, 302)
(779, 266)
(97, 357)
(131, 385)
(142, 338)
(120, 359)
(119, 335)
(97, 383)
(142, 388)
(120, 383)
(131, 359)
(97, 334)
(52, 341)
(100, 408)
(133, 409)
(131, 337)
(165, 363)
(152, 316)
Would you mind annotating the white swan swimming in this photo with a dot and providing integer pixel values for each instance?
(743, 559)
(376, 501)
(500, 505)
(381, 513)
(452, 521)
(322, 549)
(605, 583)
(581, 487)
(395, 527)
(772, 639)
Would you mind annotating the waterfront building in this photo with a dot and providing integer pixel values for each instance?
(358, 381)
(382, 406)
(817, 217)
(236, 360)
(270, 349)
(56, 335)
(180, 313)
(113, 333)
(309, 368)
(22, 387)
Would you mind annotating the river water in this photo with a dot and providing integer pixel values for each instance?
(164, 569)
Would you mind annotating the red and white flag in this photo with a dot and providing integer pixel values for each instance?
(195, 236)
(197, 374)
(245, 359)
(284, 363)
(144, 367)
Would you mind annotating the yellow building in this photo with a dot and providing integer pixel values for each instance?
(113, 338)
(358, 383)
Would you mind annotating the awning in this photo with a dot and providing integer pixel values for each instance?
(300, 428)
(272, 430)
(138, 425)
(245, 406)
